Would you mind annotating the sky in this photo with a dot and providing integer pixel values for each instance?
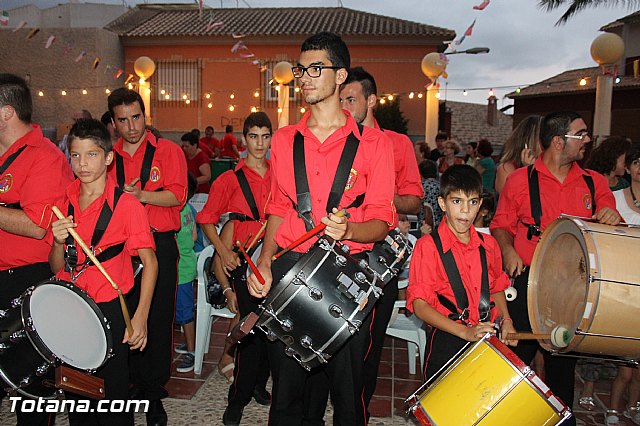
(526, 46)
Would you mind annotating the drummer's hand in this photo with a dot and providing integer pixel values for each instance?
(475, 333)
(505, 329)
(512, 262)
(229, 260)
(255, 288)
(60, 229)
(133, 190)
(337, 226)
(139, 338)
(526, 156)
(607, 216)
(232, 301)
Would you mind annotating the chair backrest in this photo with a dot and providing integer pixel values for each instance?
(205, 254)
(198, 201)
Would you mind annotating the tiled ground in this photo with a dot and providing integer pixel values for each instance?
(200, 400)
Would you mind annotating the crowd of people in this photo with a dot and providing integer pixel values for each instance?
(479, 223)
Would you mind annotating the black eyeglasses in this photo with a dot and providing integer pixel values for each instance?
(313, 71)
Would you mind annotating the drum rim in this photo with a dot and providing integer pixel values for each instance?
(580, 231)
(38, 342)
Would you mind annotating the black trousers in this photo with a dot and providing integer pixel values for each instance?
(115, 374)
(380, 320)
(441, 347)
(299, 397)
(559, 370)
(13, 282)
(251, 361)
(150, 369)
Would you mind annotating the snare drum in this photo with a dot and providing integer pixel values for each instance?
(319, 304)
(389, 255)
(584, 278)
(487, 385)
(51, 323)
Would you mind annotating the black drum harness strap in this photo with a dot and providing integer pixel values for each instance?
(303, 195)
(4, 168)
(536, 206)
(71, 253)
(461, 312)
(145, 171)
(248, 195)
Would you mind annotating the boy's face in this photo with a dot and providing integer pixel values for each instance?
(318, 89)
(461, 210)
(88, 160)
(403, 224)
(129, 122)
(258, 140)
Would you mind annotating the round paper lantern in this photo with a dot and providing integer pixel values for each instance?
(607, 49)
(144, 67)
(282, 72)
(433, 65)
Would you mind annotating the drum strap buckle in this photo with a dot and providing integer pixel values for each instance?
(533, 231)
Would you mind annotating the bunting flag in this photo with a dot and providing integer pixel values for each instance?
(470, 29)
(67, 49)
(482, 5)
(256, 62)
(20, 26)
(118, 74)
(128, 79)
(213, 25)
(636, 68)
(50, 41)
(238, 46)
(96, 62)
(4, 18)
(80, 56)
(200, 8)
(234, 35)
(106, 68)
(32, 33)
(247, 55)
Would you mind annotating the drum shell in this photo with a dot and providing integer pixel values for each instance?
(488, 385)
(583, 277)
(389, 255)
(290, 301)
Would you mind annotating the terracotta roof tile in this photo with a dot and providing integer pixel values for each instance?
(567, 82)
(469, 124)
(184, 20)
(634, 17)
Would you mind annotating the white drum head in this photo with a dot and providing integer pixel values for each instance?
(68, 326)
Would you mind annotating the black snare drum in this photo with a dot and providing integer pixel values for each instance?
(320, 303)
(389, 255)
(51, 323)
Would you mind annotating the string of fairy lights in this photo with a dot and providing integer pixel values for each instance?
(229, 97)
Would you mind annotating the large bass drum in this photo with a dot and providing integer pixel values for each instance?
(585, 278)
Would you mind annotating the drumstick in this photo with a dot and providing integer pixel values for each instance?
(252, 265)
(559, 336)
(306, 236)
(257, 237)
(90, 255)
(133, 182)
(528, 336)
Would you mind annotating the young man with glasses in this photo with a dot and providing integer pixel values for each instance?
(564, 188)
(325, 129)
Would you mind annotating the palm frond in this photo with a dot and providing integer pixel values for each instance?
(576, 6)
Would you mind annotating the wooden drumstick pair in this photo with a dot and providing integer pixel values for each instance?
(90, 255)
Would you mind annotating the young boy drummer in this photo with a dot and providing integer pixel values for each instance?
(93, 203)
(456, 249)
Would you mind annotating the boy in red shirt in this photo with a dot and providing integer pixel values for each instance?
(478, 261)
(128, 227)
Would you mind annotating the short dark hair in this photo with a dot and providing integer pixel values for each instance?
(15, 93)
(209, 127)
(228, 128)
(190, 137)
(556, 124)
(428, 169)
(460, 177)
(257, 119)
(604, 157)
(124, 96)
(106, 118)
(633, 154)
(359, 75)
(192, 185)
(473, 145)
(441, 136)
(90, 128)
(484, 148)
(336, 48)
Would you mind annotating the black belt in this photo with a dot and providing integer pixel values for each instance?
(162, 235)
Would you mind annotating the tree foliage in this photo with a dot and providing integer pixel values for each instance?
(390, 116)
(575, 6)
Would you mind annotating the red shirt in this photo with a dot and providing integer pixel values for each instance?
(128, 225)
(193, 165)
(205, 148)
(570, 197)
(226, 196)
(428, 278)
(371, 174)
(226, 143)
(212, 143)
(168, 172)
(36, 179)
(443, 165)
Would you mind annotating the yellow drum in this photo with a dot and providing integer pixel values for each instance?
(585, 278)
(487, 385)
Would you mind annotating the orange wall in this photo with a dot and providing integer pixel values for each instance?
(396, 69)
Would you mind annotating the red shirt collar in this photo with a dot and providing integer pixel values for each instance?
(575, 172)
(73, 194)
(349, 127)
(242, 165)
(31, 138)
(149, 138)
(449, 239)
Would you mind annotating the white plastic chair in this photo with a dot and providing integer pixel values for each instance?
(410, 329)
(204, 311)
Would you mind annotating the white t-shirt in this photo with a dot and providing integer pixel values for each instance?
(630, 216)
